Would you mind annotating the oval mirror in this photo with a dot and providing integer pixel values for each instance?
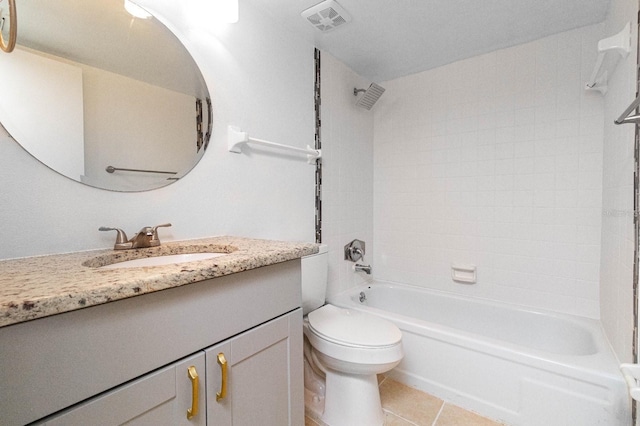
(104, 97)
(8, 28)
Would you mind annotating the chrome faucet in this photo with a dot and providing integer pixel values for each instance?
(364, 268)
(354, 251)
(146, 237)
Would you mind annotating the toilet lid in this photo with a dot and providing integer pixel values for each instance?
(353, 328)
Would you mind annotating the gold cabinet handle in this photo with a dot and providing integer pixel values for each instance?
(223, 387)
(193, 375)
(8, 45)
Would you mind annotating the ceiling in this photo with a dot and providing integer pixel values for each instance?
(391, 38)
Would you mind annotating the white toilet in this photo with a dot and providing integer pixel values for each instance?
(344, 351)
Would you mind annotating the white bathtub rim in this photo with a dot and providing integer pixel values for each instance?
(601, 365)
(576, 319)
(592, 325)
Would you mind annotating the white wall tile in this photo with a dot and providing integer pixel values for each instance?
(518, 186)
(347, 146)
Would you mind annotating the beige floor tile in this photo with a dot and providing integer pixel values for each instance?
(308, 421)
(452, 415)
(393, 420)
(411, 404)
(406, 406)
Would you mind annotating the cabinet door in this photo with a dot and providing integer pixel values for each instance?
(159, 398)
(263, 376)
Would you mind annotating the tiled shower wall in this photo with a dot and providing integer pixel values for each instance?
(347, 170)
(495, 161)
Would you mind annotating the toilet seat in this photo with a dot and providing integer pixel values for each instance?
(352, 328)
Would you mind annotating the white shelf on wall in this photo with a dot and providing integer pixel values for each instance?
(611, 47)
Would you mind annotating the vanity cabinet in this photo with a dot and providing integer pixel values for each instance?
(245, 380)
(159, 398)
(128, 359)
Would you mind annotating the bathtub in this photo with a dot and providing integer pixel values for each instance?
(516, 365)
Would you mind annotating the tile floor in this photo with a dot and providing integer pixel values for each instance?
(405, 406)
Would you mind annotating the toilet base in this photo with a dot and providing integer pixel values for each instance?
(352, 400)
(313, 405)
(314, 388)
(350, 383)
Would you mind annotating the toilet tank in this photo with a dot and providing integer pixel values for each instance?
(315, 268)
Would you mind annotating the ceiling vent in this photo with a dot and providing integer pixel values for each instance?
(326, 16)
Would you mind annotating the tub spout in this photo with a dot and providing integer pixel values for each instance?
(364, 268)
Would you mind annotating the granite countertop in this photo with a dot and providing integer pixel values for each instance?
(36, 287)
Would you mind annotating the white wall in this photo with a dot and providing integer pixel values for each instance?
(616, 265)
(347, 172)
(495, 161)
(261, 79)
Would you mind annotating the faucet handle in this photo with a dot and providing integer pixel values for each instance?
(354, 251)
(122, 242)
(155, 241)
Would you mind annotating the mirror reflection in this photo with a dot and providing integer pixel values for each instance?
(103, 97)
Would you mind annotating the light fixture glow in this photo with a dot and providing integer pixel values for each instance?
(205, 12)
(223, 10)
(135, 10)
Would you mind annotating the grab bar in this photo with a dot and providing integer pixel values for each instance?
(111, 169)
(625, 118)
(237, 138)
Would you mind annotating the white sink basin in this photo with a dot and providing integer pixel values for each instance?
(163, 260)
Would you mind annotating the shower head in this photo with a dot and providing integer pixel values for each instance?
(370, 97)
